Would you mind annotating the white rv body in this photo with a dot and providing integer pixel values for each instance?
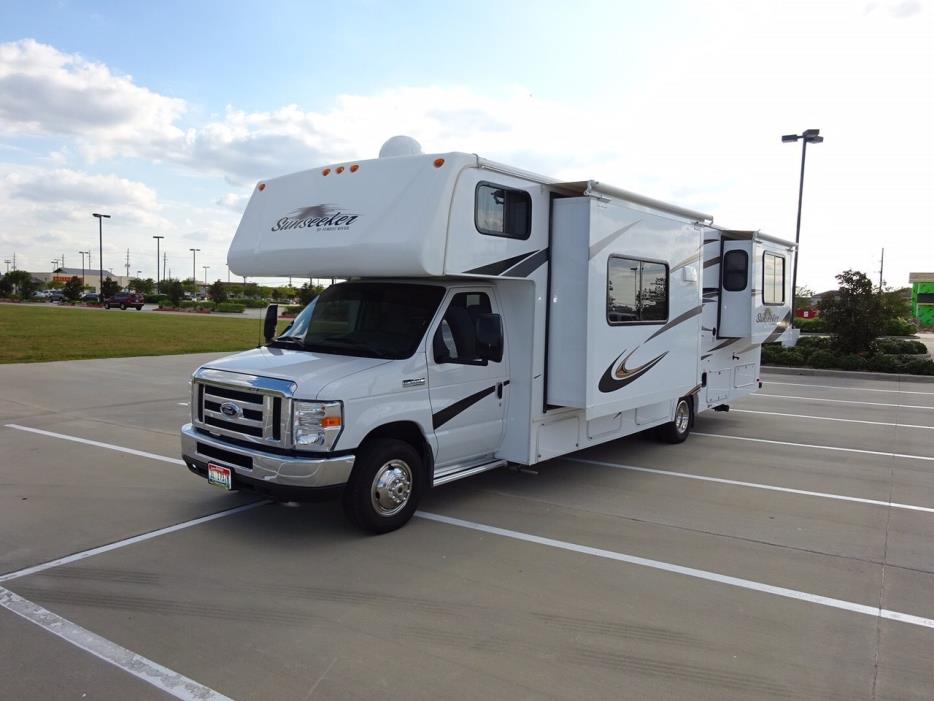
(612, 307)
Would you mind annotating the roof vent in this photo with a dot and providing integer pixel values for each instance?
(400, 146)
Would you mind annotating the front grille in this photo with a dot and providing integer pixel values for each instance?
(225, 455)
(255, 416)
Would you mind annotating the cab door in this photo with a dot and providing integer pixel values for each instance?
(467, 388)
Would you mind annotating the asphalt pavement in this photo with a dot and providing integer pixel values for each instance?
(784, 551)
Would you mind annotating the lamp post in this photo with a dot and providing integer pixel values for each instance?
(808, 136)
(7, 261)
(82, 270)
(206, 268)
(158, 240)
(100, 249)
(54, 263)
(194, 255)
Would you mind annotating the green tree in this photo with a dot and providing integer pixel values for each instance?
(22, 283)
(217, 291)
(307, 292)
(854, 315)
(145, 287)
(6, 285)
(896, 304)
(109, 287)
(251, 289)
(174, 290)
(54, 285)
(803, 297)
(190, 285)
(72, 289)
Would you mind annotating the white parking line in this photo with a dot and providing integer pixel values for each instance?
(857, 389)
(760, 395)
(98, 444)
(754, 485)
(173, 683)
(817, 447)
(68, 559)
(749, 584)
(828, 418)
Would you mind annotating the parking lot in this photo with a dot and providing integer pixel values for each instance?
(784, 551)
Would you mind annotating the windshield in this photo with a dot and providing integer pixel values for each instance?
(371, 319)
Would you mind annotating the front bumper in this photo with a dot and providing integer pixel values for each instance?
(257, 467)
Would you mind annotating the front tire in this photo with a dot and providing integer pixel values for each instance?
(677, 431)
(139, 307)
(385, 486)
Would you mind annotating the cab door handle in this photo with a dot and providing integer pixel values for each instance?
(499, 390)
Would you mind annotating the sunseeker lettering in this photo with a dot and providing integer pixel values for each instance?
(325, 217)
(767, 317)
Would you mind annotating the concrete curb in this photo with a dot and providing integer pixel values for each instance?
(849, 374)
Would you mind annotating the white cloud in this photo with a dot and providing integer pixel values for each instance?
(44, 91)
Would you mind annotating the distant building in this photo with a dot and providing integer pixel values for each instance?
(91, 277)
(922, 297)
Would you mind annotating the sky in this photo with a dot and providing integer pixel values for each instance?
(165, 115)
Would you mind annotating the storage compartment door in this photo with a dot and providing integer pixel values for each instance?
(736, 290)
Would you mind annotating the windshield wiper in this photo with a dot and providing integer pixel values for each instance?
(361, 345)
(288, 341)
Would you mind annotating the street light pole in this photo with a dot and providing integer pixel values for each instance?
(206, 268)
(808, 136)
(100, 249)
(82, 270)
(194, 255)
(158, 263)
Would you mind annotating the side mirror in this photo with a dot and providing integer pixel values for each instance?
(490, 337)
(269, 322)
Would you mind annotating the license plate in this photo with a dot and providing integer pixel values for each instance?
(220, 475)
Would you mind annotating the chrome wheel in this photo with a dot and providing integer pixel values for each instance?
(391, 488)
(682, 417)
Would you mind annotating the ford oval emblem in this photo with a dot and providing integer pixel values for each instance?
(230, 409)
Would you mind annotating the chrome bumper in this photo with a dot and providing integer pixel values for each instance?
(283, 470)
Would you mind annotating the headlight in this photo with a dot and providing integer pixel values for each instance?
(316, 425)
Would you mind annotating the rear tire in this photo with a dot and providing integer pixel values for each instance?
(677, 431)
(385, 486)
(123, 307)
(139, 307)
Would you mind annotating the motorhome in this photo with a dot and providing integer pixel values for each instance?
(488, 316)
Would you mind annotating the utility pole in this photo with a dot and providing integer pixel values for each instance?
(128, 263)
(881, 268)
(165, 262)
(82, 269)
(7, 261)
(206, 268)
(158, 260)
(100, 244)
(194, 256)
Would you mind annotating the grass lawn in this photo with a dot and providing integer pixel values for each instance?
(30, 334)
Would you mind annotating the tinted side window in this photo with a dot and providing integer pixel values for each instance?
(455, 340)
(501, 211)
(735, 271)
(637, 291)
(773, 279)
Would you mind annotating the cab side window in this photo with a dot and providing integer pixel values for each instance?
(455, 341)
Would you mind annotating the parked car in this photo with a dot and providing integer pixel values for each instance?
(124, 300)
(91, 297)
(56, 296)
(40, 294)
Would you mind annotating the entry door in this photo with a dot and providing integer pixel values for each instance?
(736, 265)
(468, 395)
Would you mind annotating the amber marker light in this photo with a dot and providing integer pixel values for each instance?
(339, 170)
(261, 187)
(439, 162)
(330, 422)
(326, 171)
(354, 168)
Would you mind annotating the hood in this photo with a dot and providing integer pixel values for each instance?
(309, 371)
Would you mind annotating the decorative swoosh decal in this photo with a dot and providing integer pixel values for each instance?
(607, 240)
(449, 412)
(499, 266)
(618, 375)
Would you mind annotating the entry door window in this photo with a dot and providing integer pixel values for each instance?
(456, 338)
